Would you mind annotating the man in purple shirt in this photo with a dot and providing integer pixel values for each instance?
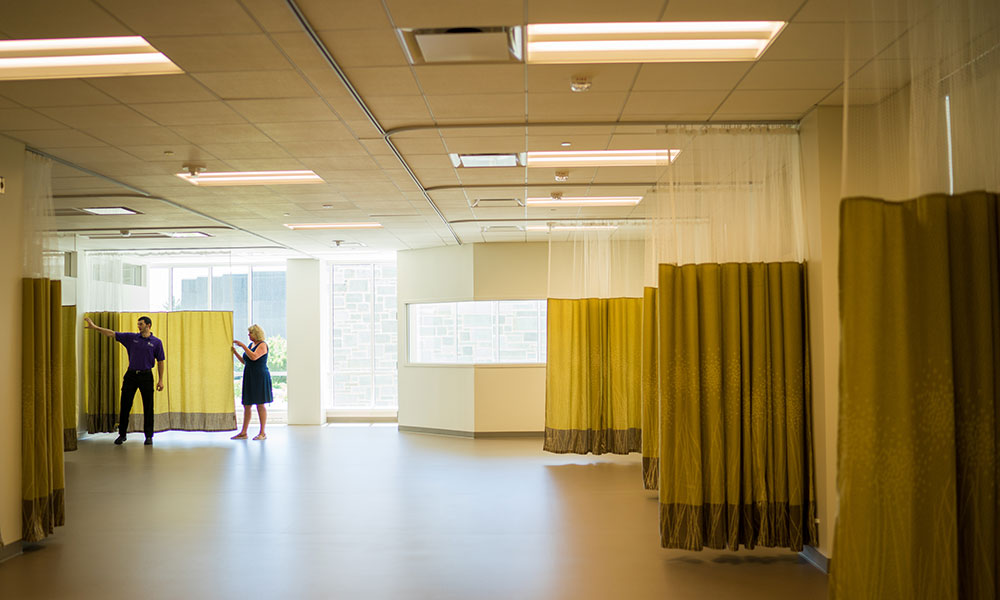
(143, 349)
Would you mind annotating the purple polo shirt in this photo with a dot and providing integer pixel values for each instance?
(142, 352)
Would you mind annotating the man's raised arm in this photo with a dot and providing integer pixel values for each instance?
(88, 324)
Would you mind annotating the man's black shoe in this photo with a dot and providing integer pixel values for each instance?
(148, 442)
(120, 440)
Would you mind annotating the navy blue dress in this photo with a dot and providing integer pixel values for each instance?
(256, 380)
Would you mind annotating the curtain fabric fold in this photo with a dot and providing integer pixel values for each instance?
(198, 394)
(735, 439)
(920, 399)
(69, 388)
(592, 377)
(650, 399)
(42, 474)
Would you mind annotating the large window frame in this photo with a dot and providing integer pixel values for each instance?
(374, 370)
(542, 327)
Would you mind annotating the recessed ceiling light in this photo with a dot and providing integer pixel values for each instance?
(81, 57)
(566, 144)
(188, 234)
(572, 201)
(110, 210)
(251, 178)
(355, 225)
(485, 160)
(602, 158)
(687, 41)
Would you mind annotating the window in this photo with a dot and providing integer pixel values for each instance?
(364, 336)
(477, 332)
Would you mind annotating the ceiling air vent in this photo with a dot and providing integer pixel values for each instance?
(69, 212)
(462, 45)
(498, 203)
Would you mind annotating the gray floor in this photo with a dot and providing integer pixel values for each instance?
(359, 512)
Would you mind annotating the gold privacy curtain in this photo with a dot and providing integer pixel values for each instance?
(920, 399)
(650, 391)
(101, 382)
(198, 394)
(592, 376)
(735, 438)
(43, 482)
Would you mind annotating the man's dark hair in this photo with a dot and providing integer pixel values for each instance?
(146, 320)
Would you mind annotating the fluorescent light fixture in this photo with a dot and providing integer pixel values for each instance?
(602, 158)
(581, 227)
(686, 41)
(486, 160)
(188, 234)
(355, 225)
(572, 201)
(251, 178)
(110, 210)
(82, 57)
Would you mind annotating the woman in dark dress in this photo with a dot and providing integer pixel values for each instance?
(256, 380)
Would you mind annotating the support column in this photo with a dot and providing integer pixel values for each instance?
(303, 322)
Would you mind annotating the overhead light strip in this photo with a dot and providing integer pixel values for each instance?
(583, 201)
(685, 41)
(251, 178)
(602, 158)
(81, 57)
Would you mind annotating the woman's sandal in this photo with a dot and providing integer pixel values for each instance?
(239, 436)
(262, 436)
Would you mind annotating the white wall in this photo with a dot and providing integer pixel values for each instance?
(468, 398)
(303, 321)
(821, 165)
(12, 170)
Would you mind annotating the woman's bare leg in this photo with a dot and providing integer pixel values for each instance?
(262, 415)
(246, 423)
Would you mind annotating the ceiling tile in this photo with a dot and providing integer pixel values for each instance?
(383, 81)
(486, 144)
(58, 18)
(482, 107)
(604, 78)
(668, 105)
(152, 88)
(306, 132)
(325, 148)
(344, 14)
(413, 146)
(266, 164)
(568, 106)
(57, 138)
(222, 53)
(275, 16)
(203, 135)
(794, 75)
(825, 41)
(82, 117)
(284, 110)
(455, 13)
(181, 153)
(340, 163)
(190, 113)
(794, 103)
(257, 84)
(690, 76)
(733, 10)
(182, 17)
(440, 80)
(393, 111)
(592, 11)
(364, 47)
(837, 11)
(125, 136)
(16, 119)
(54, 92)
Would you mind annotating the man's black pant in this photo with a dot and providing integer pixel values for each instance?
(142, 381)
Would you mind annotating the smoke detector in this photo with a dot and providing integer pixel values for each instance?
(579, 83)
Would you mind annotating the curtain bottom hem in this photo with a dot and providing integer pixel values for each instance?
(721, 526)
(41, 516)
(592, 441)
